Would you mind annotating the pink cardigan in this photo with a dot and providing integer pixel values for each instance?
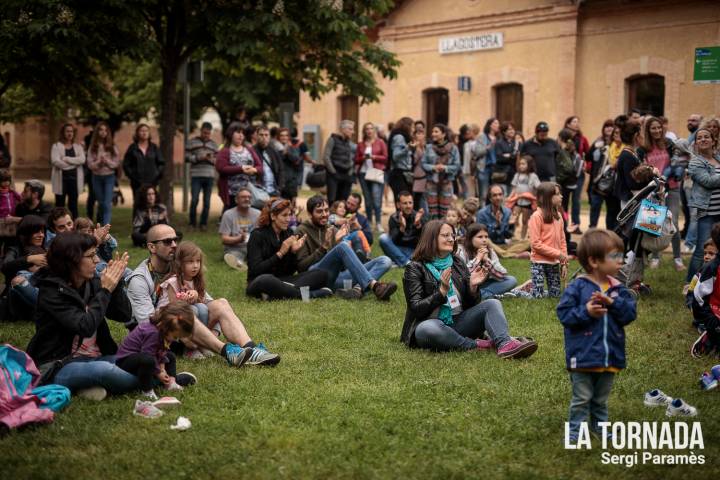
(547, 240)
(379, 155)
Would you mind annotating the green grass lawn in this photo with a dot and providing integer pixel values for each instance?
(349, 400)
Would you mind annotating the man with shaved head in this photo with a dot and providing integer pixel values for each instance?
(142, 291)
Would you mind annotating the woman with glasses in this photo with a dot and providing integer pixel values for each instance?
(72, 345)
(445, 310)
(148, 214)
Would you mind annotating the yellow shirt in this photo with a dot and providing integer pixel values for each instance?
(614, 152)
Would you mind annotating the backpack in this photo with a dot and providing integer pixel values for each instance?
(565, 172)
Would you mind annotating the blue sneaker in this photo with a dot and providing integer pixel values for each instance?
(260, 356)
(236, 355)
(708, 381)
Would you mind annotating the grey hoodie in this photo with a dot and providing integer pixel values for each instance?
(141, 293)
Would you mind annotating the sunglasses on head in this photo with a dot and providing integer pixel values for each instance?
(167, 241)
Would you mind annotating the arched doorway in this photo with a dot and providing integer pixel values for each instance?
(437, 106)
(509, 104)
(646, 93)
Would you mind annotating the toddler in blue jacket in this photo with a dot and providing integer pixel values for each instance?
(594, 310)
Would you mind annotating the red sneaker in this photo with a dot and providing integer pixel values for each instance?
(484, 344)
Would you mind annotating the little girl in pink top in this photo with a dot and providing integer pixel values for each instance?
(548, 255)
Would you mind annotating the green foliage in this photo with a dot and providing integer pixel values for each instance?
(350, 401)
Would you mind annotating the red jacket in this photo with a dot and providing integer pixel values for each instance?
(379, 155)
(222, 165)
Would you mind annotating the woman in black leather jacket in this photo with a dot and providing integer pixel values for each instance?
(444, 308)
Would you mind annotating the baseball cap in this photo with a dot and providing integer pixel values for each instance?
(542, 127)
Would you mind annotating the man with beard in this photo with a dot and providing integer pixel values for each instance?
(544, 151)
(142, 292)
(32, 202)
(693, 123)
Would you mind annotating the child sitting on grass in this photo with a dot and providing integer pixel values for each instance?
(358, 242)
(709, 253)
(594, 310)
(706, 302)
(479, 254)
(548, 254)
(145, 351)
(106, 242)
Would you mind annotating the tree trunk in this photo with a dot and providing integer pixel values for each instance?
(168, 105)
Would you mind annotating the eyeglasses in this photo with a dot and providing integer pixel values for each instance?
(91, 255)
(167, 241)
(615, 256)
(449, 236)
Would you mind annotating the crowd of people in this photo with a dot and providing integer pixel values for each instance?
(462, 203)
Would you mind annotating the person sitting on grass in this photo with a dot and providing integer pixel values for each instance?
(404, 229)
(352, 205)
(706, 301)
(143, 290)
(479, 254)
(501, 222)
(594, 310)
(549, 257)
(144, 352)
(327, 249)
(339, 217)
(235, 227)
(58, 221)
(32, 200)
(148, 214)
(106, 242)
(710, 251)
(19, 266)
(445, 310)
(272, 258)
(72, 345)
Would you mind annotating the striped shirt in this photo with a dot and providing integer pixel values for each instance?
(714, 207)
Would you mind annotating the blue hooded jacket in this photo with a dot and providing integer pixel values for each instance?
(595, 342)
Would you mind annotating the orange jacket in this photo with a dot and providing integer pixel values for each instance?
(547, 240)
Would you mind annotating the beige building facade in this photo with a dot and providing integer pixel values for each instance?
(533, 60)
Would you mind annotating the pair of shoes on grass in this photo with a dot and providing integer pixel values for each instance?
(258, 355)
(382, 290)
(517, 347)
(674, 407)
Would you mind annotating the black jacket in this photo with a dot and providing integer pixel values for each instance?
(411, 235)
(261, 258)
(423, 297)
(505, 158)
(42, 210)
(276, 165)
(624, 183)
(143, 169)
(14, 261)
(62, 313)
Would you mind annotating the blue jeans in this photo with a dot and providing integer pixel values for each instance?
(196, 184)
(590, 392)
(482, 183)
(576, 198)
(25, 292)
(469, 325)
(399, 255)
(373, 194)
(85, 372)
(103, 186)
(377, 267)
(704, 226)
(300, 179)
(340, 258)
(492, 287)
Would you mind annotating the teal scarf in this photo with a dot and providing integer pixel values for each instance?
(436, 267)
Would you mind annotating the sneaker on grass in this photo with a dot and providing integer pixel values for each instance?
(150, 395)
(260, 356)
(349, 293)
(146, 410)
(656, 398)
(93, 393)
(384, 290)
(185, 379)
(233, 262)
(321, 293)
(708, 381)
(678, 408)
(236, 355)
(517, 349)
(194, 355)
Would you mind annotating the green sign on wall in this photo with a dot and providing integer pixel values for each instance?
(707, 65)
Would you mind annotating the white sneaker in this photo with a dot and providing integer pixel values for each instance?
(194, 355)
(656, 398)
(629, 258)
(173, 387)
(686, 249)
(380, 228)
(679, 265)
(150, 395)
(233, 262)
(678, 408)
(654, 263)
(93, 393)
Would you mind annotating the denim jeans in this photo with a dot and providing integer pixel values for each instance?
(468, 326)
(482, 183)
(704, 226)
(373, 193)
(196, 185)
(576, 199)
(692, 231)
(590, 392)
(26, 292)
(492, 287)
(377, 267)
(85, 372)
(103, 186)
(398, 254)
(341, 257)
